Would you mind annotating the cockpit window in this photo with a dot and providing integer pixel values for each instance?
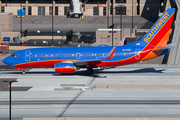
(14, 55)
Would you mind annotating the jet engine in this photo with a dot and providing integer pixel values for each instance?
(64, 67)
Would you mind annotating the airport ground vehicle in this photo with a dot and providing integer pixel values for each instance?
(4, 47)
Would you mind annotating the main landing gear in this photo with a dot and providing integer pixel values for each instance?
(89, 71)
(23, 72)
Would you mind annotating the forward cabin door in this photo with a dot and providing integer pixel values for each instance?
(27, 55)
(78, 55)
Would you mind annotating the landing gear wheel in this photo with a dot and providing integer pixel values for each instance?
(89, 71)
(23, 72)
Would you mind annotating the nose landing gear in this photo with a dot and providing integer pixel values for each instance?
(23, 72)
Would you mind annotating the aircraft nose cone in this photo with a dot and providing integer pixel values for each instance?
(5, 60)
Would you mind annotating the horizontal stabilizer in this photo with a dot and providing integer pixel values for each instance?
(167, 47)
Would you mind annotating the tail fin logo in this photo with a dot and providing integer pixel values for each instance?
(156, 27)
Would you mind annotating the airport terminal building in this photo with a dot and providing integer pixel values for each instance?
(92, 7)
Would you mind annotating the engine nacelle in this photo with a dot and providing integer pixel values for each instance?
(64, 67)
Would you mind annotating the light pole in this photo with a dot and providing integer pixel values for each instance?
(112, 22)
(21, 20)
(58, 35)
(121, 12)
(52, 23)
(108, 15)
(132, 18)
(10, 82)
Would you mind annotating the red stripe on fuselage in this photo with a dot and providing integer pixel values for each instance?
(40, 64)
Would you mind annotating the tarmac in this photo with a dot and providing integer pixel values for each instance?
(44, 93)
(89, 24)
(135, 91)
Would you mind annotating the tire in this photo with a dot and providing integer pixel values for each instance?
(89, 71)
(23, 72)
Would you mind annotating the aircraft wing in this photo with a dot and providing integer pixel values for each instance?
(91, 62)
(87, 62)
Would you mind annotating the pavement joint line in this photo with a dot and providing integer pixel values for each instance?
(96, 19)
(100, 20)
(67, 106)
(43, 102)
(90, 83)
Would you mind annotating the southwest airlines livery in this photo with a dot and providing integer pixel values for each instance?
(70, 59)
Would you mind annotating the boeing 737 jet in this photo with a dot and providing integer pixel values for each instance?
(70, 59)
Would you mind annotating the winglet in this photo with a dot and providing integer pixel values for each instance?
(121, 43)
(111, 53)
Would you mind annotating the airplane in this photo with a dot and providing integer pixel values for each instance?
(71, 59)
